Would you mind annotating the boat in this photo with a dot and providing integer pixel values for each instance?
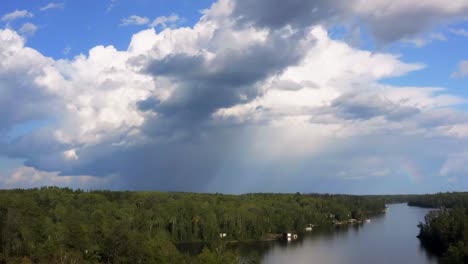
(289, 236)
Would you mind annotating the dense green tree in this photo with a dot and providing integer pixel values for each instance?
(445, 231)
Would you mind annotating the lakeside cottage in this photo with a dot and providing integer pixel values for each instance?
(309, 227)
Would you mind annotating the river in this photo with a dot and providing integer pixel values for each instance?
(390, 238)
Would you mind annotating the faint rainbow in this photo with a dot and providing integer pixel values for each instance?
(411, 171)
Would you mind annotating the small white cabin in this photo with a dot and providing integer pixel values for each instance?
(222, 235)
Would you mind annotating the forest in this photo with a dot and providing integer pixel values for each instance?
(61, 225)
(439, 200)
(445, 231)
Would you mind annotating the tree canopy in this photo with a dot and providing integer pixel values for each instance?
(61, 225)
(445, 231)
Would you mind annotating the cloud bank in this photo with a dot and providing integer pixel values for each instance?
(256, 96)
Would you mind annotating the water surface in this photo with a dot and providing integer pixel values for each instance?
(390, 238)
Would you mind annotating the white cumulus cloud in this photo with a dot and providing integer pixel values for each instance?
(16, 15)
(134, 20)
(28, 29)
(165, 21)
(52, 5)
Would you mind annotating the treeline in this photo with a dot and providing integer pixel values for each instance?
(60, 225)
(356, 207)
(445, 231)
(439, 200)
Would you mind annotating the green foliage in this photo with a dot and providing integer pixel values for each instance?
(209, 257)
(60, 225)
(445, 231)
(446, 200)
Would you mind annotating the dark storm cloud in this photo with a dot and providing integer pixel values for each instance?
(409, 22)
(279, 13)
(38, 149)
(163, 165)
(203, 86)
(21, 100)
(148, 104)
(387, 22)
(288, 85)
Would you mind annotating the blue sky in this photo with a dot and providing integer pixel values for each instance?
(81, 25)
(441, 58)
(235, 96)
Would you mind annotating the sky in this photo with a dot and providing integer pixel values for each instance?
(235, 96)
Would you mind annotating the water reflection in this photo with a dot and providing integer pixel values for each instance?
(387, 239)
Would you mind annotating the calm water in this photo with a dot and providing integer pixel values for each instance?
(390, 238)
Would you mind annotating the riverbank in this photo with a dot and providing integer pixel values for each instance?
(350, 244)
(444, 230)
